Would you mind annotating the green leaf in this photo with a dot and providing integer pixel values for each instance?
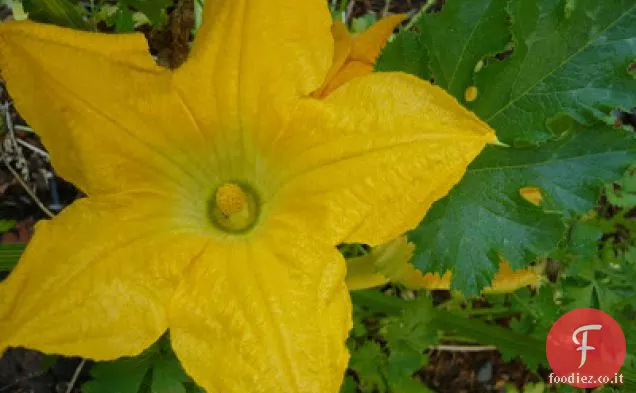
(407, 338)
(349, 385)
(583, 240)
(60, 12)
(623, 192)
(413, 330)
(168, 376)
(124, 375)
(401, 374)
(579, 294)
(460, 36)
(358, 25)
(405, 53)
(368, 362)
(629, 367)
(123, 20)
(155, 10)
(484, 217)
(569, 56)
(6, 225)
(377, 301)
(156, 370)
(587, 285)
(552, 56)
(539, 387)
(9, 255)
(48, 362)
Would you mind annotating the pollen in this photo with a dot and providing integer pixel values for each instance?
(234, 207)
(230, 199)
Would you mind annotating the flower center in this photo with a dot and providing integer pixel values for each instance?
(234, 207)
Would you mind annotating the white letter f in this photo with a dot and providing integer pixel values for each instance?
(584, 347)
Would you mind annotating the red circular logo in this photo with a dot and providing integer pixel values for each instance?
(586, 348)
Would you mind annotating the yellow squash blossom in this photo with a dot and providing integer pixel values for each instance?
(217, 192)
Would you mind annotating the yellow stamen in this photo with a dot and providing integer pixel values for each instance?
(234, 208)
(230, 199)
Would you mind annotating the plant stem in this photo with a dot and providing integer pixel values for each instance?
(504, 339)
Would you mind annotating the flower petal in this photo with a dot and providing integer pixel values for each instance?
(368, 45)
(105, 111)
(356, 56)
(95, 280)
(374, 155)
(252, 59)
(266, 315)
(343, 41)
(362, 273)
(348, 71)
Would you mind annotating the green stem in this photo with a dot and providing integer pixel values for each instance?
(460, 339)
(419, 14)
(506, 340)
(499, 311)
(378, 301)
(343, 5)
(525, 306)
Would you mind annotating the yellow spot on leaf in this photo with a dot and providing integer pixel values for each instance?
(507, 280)
(478, 66)
(532, 195)
(470, 94)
